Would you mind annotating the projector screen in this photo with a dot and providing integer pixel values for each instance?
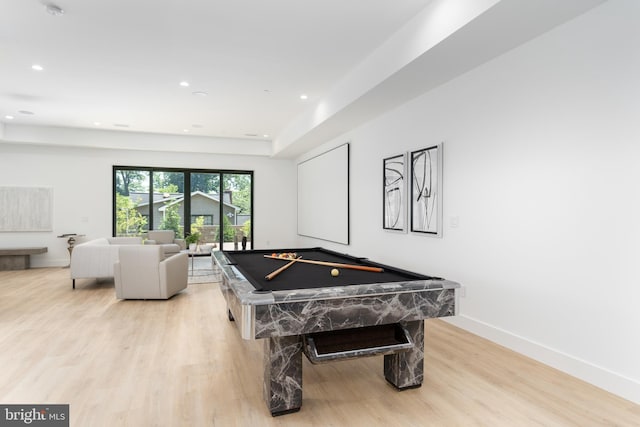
(323, 196)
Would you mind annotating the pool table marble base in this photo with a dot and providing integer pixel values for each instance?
(405, 370)
(282, 385)
(329, 320)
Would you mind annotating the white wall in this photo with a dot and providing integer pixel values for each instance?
(541, 171)
(81, 179)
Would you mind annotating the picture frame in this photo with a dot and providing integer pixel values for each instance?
(426, 191)
(394, 193)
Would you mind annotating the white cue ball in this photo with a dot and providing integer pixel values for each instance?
(335, 272)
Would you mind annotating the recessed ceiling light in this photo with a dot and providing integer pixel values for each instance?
(303, 96)
(54, 10)
(185, 130)
(184, 84)
(27, 113)
(265, 136)
(37, 67)
(9, 117)
(97, 123)
(199, 93)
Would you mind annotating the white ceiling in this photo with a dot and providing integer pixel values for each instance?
(119, 62)
(117, 65)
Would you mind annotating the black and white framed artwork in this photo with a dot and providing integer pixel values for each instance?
(426, 191)
(394, 197)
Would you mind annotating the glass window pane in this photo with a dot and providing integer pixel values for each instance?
(168, 201)
(205, 206)
(236, 221)
(132, 202)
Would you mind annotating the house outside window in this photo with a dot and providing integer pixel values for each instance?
(207, 219)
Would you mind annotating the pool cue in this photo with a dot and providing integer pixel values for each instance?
(281, 269)
(334, 264)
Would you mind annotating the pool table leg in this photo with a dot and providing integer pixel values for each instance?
(282, 387)
(405, 370)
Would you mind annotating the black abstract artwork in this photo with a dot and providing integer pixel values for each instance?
(394, 193)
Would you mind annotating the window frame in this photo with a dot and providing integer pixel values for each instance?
(187, 194)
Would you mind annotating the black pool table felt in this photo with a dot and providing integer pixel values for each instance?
(254, 266)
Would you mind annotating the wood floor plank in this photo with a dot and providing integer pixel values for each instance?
(182, 363)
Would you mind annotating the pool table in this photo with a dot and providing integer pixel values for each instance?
(305, 309)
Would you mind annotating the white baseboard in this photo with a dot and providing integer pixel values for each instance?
(603, 378)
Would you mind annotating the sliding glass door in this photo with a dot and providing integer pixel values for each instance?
(217, 208)
(131, 202)
(205, 207)
(237, 191)
(168, 201)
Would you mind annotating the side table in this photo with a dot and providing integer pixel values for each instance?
(71, 241)
(192, 255)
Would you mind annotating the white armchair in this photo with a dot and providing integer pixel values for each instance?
(142, 272)
(167, 240)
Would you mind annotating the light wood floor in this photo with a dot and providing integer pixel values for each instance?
(181, 363)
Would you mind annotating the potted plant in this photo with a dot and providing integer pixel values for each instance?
(192, 240)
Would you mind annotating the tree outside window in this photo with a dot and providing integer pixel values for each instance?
(129, 221)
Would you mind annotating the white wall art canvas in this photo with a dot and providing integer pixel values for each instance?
(26, 209)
